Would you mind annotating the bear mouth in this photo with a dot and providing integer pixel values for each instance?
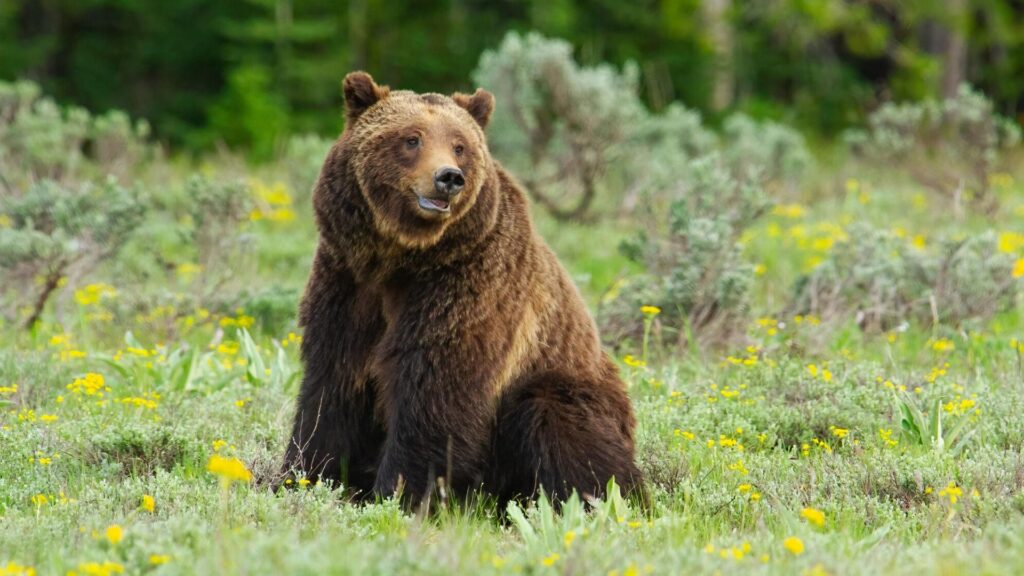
(435, 205)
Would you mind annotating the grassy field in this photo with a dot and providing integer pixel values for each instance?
(781, 454)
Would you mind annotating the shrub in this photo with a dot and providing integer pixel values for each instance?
(661, 148)
(41, 141)
(950, 147)
(584, 131)
(56, 235)
(63, 210)
(559, 125)
(218, 212)
(767, 151)
(694, 268)
(712, 190)
(883, 281)
(664, 146)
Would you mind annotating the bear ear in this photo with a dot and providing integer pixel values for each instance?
(479, 105)
(361, 92)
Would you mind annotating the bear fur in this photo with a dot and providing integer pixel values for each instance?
(443, 339)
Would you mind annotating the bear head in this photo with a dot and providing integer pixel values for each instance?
(420, 160)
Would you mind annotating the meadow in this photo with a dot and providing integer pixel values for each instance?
(868, 425)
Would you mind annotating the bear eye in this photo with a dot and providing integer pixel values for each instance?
(459, 149)
(412, 142)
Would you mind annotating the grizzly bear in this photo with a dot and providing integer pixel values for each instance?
(443, 340)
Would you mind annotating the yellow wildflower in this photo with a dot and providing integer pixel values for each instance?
(1010, 242)
(633, 362)
(814, 516)
(886, 435)
(229, 469)
(650, 310)
(15, 569)
(91, 384)
(66, 355)
(789, 210)
(952, 491)
(187, 270)
(100, 569)
(794, 545)
(551, 559)
(148, 503)
(738, 466)
(93, 293)
(141, 402)
(228, 348)
(816, 570)
(114, 533)
(158, 559)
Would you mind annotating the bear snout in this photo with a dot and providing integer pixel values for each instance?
(448, 180)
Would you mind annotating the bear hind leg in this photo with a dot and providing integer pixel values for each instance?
(559, 434)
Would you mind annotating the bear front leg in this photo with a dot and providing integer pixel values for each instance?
(335, 436)
(438, 424)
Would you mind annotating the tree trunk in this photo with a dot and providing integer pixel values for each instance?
(719, 29)
(954, 56)
(52, 283)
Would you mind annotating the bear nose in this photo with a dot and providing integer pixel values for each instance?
(449, 180)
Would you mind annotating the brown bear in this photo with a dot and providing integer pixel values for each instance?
(443, 339)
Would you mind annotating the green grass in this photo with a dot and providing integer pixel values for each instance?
(735, 443)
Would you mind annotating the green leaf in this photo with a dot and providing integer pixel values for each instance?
(935, 426)
(131, 341)
(256, 370)
(116, 367)
(515, 514)
(958, 446)
(953, 433)
(185, 370)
